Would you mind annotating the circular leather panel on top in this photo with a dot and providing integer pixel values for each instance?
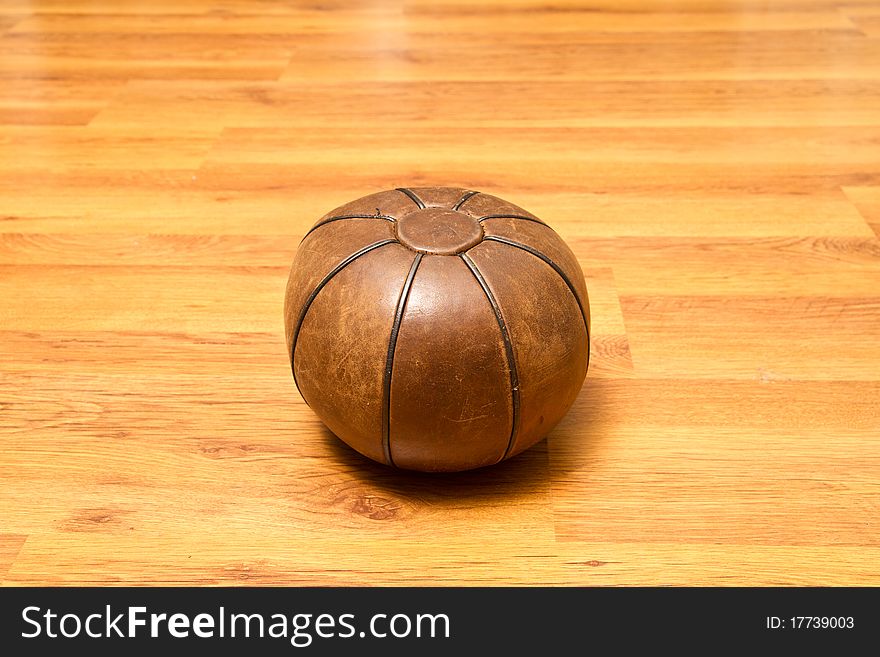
(439, 231)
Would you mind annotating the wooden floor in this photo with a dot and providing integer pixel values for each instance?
(714, 165)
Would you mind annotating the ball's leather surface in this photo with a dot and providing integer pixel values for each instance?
(437, 329)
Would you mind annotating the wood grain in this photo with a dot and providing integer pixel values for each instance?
(714, 166)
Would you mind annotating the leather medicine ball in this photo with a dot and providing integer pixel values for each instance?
(437, 329)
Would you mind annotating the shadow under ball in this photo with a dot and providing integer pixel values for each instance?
(437, 329)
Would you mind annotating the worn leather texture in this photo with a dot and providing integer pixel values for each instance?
(437, 329)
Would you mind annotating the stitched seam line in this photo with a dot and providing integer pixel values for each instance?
(389, 360)
(463, 199)
(556, 268)
(386, 217)
(308, 304)
(513, 216)
(412, 196)
(508, 350)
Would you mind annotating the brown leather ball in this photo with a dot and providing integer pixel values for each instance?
(437, 329)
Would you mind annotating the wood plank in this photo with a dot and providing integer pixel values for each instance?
(759, 338)
(597, 563)
(627, 6)
(54, 102)
(189, 55)
(707, 103)
(673, 206)
(121, 353)
(253, 557)
(194, 8)
(747, 267)
(757, 146)
(170, 298)
(45, 147)
(592, 56)
(84, 201)
(425, 21)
